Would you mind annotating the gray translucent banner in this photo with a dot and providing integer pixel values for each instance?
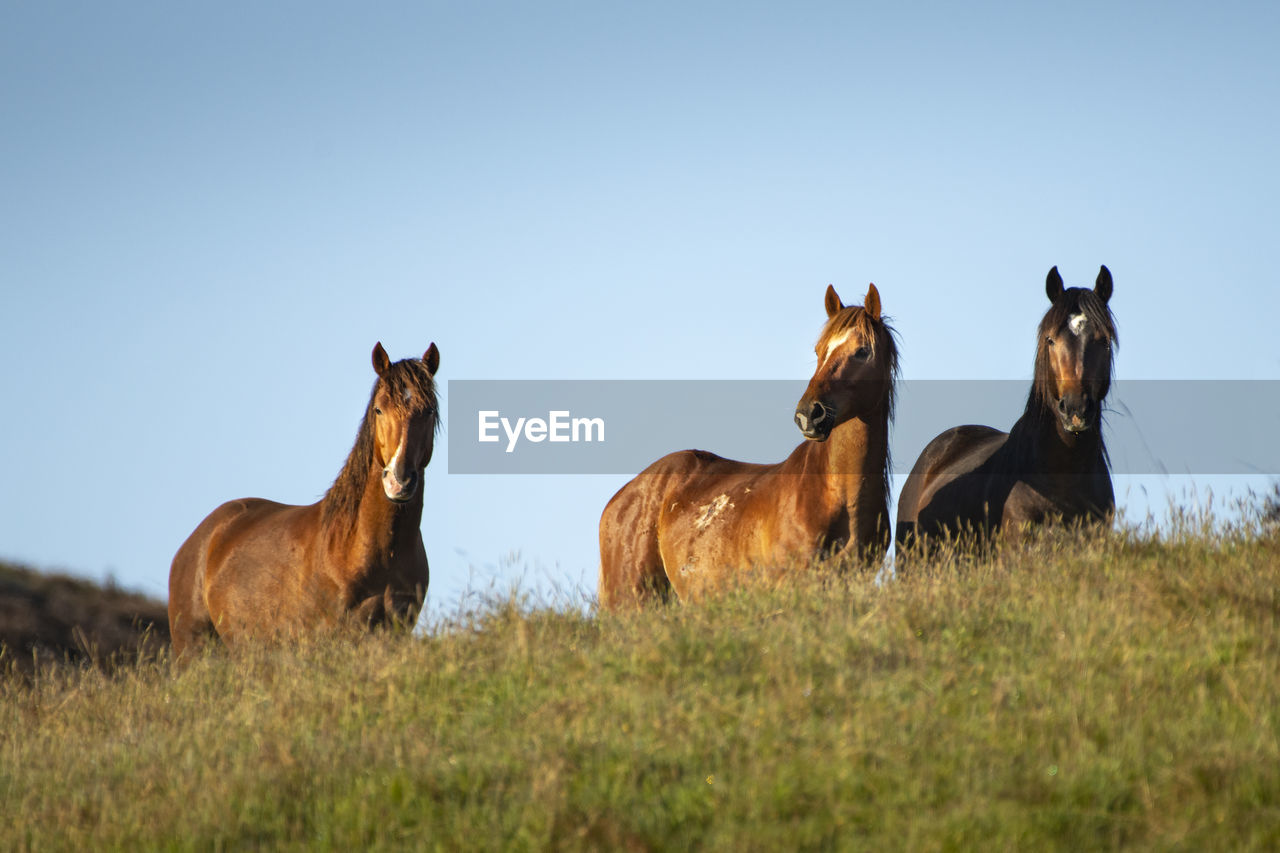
(619, 427)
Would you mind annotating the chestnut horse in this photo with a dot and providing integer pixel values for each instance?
(692, 519)
(1052, 465)
(263, 569)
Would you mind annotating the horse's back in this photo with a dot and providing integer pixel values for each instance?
(975, 479)
(938, 494)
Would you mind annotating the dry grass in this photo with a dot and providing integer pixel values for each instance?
(1074, 693)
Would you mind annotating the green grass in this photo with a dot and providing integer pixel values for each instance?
(1077, 693)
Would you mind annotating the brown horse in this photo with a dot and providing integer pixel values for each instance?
(692, 519)
(1052, 465)
(263, 569)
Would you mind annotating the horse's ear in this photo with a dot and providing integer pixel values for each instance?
(1053, 285)
(1103, 285)
(380, 360)
(431, 358)
(872, 303)
(833, 302)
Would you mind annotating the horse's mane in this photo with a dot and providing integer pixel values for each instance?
(884, 340)
(343, 498)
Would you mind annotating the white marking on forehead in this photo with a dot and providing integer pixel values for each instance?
(1077, 324)
(837, 342)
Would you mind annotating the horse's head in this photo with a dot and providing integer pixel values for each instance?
(857, 362)
(404, 413)
(1073, 356)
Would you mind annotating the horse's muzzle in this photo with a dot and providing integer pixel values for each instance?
(400, 491)
(1077, 412)
(815, 420)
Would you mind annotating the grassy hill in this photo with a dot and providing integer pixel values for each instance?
(47, 620)
(1077, 693)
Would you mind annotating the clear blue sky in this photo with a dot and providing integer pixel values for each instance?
(209, 215)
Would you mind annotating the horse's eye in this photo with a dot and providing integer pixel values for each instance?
(377, 411)
(862, 353)
(1049, 341)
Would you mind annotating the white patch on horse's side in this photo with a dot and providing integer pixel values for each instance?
(711, 510)
(1077, 324)
(837, 342)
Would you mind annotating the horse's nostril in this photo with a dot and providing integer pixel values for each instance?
(817, 412)
(1062, 405)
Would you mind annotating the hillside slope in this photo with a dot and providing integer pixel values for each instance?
(50, 619)
(1081, 693)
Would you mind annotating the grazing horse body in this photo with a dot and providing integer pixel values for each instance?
(259, 568)
(1052, 465)
(692, 519)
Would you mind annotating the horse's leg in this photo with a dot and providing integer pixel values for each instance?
(631, 569)
(189, 640)
(190, 624)
(906, 537)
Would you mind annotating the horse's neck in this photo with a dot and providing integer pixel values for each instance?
(1041, 441)
(852, 460)
(381, 527)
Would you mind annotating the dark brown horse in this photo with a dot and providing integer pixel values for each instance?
(1052, 465)
(256, 568)
(692, 519)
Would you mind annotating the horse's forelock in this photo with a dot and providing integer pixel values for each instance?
(855, 318)
(408, 375)
(1079, 300)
